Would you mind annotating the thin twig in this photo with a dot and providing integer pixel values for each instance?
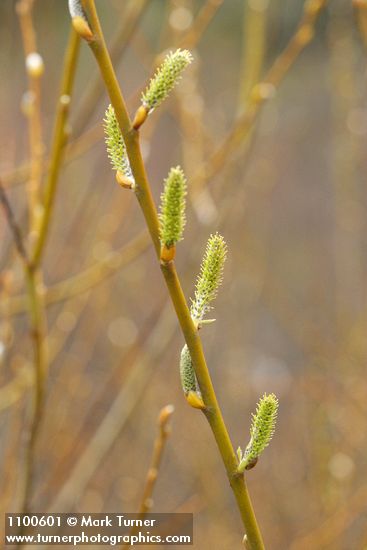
(253, 48)
(13, 226)
(36, 311)
(32, 109)
(361, 13)
(58, 142)
(164, 431)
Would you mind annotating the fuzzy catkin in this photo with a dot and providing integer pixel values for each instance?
(172, 211)
(116, 148)
(210, 277)
(165, 79)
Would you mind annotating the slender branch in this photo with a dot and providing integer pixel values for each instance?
(58, 142)
(13, 225)
(38, 330)
(144, 196)
(361, 13)
(164, 431)
(253, 48)
(34, 66)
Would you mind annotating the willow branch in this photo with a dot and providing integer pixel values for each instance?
(361, 13)
(38, 330)
(164, 431)
(13, 226)
(32, 107)
(144, 196)
(253, 48)
(58, 142)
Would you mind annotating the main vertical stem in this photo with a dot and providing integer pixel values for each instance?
(144, 196)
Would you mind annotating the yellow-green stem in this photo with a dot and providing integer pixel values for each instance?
(33, 274)
(37, 321)
(58, 143)
(253, 48)
(143, 191)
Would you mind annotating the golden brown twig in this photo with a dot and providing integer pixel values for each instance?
(164, 431)
(58, 143)
(32, 107)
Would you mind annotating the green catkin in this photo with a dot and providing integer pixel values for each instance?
(210, 277)
(165, 78)
(187, 373)
(189, 381)
(115, 144)
(172, 210)
(262, 431)
(76, 9)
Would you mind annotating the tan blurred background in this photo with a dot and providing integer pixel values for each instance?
(291, 316)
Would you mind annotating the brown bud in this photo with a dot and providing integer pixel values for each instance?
(82, 28)
(168, 253)
(140, 117)
(195, 400)
(124, 181)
